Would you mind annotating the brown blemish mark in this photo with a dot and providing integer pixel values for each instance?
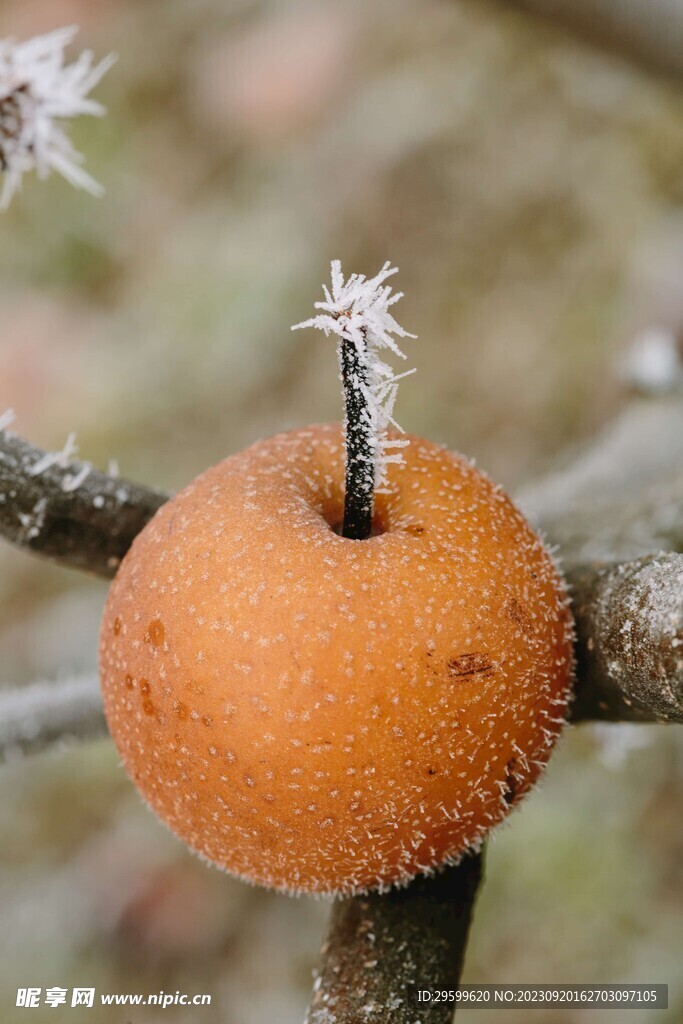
(156, 633)
(144, 686)
(181, 710)
(431, 771)
(148, 707)
(129, 682)
(415, 529)
(519, 615)
(206, 720)
(470, 665)
(117, 626)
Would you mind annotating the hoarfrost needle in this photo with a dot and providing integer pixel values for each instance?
(37, 92)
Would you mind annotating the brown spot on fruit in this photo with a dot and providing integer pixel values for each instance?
(470, 665)
(144, 686)
(117, 625)
(156, 633)
(148, 707)
(516, 611)
(129, 681)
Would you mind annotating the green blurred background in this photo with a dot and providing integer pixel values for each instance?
(531, 192)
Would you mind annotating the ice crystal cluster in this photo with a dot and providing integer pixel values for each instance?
(38, 91)
(357, 310)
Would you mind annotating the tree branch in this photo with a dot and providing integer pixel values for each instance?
(46, 714)
(88, 527)
(629, 650)
(621, 498)
(649, 32)
(380, 949)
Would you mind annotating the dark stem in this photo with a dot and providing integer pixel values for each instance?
(382, 948)
(361, 452)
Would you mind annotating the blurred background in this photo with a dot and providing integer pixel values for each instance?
(531, 191)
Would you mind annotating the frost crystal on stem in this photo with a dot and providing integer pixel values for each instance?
(37, 92)
(357, 311)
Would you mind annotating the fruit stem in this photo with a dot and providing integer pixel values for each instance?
(357, 311)
(361, 446)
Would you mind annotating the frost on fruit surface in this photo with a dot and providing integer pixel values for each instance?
(358, 310)
(361, 712)
(38, 92)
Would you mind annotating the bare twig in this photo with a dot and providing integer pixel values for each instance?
(612, 512)
(623, 497)
(629, 621)
(649, 32)
(89, 526)
(381, 949)
(33, 718)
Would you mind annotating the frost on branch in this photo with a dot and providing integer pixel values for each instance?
(358, 312)
(37, 92)
(44, 714)
(653, 363)
(68, 510)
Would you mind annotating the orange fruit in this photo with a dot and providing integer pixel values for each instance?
(319, 714)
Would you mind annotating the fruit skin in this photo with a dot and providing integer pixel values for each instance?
(317, 714)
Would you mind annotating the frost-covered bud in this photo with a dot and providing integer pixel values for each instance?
(37, 92)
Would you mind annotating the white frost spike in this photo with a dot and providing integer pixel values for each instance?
(37, 92)
(6, 419)
(357, 310)
(62, 458)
